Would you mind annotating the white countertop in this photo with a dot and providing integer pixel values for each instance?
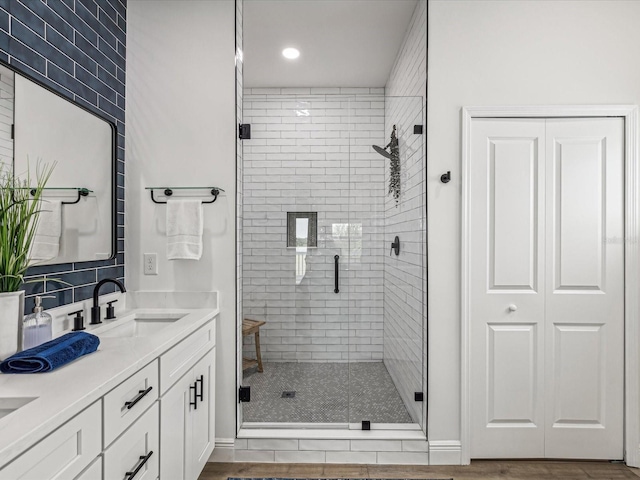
(66, 391)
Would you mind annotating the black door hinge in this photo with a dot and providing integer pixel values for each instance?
(419, 396)
(417, 129)
(13, 131)
(244, 394)
(366, 425)
(244, 131)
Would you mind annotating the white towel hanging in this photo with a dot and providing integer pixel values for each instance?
(185, 225)
(46, 241)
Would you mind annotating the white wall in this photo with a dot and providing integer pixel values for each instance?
(485, 52)
(181, 132)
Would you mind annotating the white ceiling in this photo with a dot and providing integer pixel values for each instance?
(342, 43)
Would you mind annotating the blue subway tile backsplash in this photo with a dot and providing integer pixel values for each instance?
(27, 36)
(4, 21)
(90, 5)
(36, 63)
(67, 47)
(4, 41)
(108, 9)
(19, 11)
(51, 19)
(92, 81)
(77, 48)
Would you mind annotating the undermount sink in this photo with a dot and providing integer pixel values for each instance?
(141, 325)
(10, 405)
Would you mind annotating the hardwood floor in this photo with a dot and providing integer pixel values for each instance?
(478, 470)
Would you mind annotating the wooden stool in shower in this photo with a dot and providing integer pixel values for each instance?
(252, 327)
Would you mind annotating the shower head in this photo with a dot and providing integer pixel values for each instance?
(381, 151)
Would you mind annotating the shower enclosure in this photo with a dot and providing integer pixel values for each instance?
(344, 338)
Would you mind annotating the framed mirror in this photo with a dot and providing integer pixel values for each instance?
(38, 125)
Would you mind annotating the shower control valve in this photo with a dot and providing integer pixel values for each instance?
(395, 246)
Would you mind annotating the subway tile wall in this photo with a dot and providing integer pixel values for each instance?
(410, 451)
(77, 48)
(311, 152)
(405, 275)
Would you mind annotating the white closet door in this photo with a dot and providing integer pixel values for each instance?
(546, 287)
(584, 318)
(507, 232)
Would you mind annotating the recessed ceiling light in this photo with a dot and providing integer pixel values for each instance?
(291, 53)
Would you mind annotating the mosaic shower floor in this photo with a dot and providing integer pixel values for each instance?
(322, 395)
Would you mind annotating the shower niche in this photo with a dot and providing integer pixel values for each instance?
(302, 229)
(302, 235)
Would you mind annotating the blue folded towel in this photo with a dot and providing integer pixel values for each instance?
(52, 354)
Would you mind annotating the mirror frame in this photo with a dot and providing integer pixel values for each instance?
(114, 162)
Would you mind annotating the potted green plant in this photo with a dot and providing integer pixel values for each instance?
(19, 210)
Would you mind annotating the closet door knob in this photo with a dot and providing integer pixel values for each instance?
(513, 308)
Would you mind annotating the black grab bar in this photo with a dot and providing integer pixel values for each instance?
(336, 258)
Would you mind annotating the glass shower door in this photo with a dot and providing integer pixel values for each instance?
(386, 310)
(343, 341)
(296, 244)
(322, 286)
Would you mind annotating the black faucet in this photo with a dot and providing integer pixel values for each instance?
(95, 310)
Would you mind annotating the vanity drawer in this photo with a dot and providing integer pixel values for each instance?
(94, 472)
(137, 450)
(125, 403)
(179, 360)
(64, 453)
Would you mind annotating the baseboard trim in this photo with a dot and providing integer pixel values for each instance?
(632, 456)
(224, 450)
(225, 442)
(445, 452)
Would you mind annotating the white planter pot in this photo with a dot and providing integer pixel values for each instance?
(11, 315)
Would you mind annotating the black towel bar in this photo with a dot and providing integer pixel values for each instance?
(168, 191)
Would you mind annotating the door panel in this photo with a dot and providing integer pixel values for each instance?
(578, 376)
(202, 418)
(584, 321)
(513, 208)
(578, 214)
(506, 263)
(513, 368)
(174, 414)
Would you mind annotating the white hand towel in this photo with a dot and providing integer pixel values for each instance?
(184, 229)
(46, 241)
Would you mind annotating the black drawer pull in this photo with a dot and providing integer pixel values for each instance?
(144, 459)
(193, 387)
(337, 269)
(141, 394)
(200, 395)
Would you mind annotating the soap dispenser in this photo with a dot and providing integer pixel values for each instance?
(36, 327)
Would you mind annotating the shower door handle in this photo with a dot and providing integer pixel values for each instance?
(336, 289)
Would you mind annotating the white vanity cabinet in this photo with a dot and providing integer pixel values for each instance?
(203, 417)
(187, 433)
(64, 454)
(157, 423)
(135, 454)
(128, 401)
